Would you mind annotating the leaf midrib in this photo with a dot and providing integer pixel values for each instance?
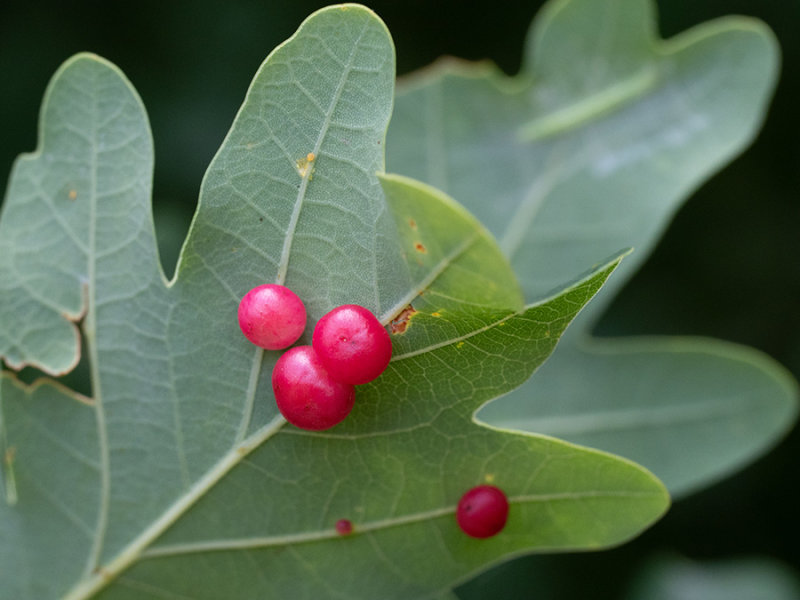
(595, 106)
(371, 526)
(428, 280)
(635, 418)
(90, 333)
(283, 265)
(102, 576)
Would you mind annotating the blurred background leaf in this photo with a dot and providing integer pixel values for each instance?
(671, 578)
(593, 147)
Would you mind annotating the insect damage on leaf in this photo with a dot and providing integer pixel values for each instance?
(401, 322)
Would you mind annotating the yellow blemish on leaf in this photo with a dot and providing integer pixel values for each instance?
(305, 165)
(459, 344)
(413, 224)
(436, 314)
(489, 478)
(73, 194)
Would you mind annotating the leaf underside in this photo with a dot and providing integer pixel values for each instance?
(592, 148)
(178, 478)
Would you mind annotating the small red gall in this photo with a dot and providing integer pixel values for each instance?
(352, 344)
(482, 511)
(306, 394)
(272, 316)
(344, 527)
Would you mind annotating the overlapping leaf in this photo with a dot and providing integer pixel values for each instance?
(591, 148)
(178, 478)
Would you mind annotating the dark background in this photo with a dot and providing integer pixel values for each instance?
(728, 267)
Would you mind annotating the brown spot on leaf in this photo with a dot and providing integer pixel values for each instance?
(419, 247)
(400, 323)
(73, 194)
(413, 224)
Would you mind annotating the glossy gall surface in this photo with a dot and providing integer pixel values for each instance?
(482, 511)
(306, 394)
(352, 344)
(272, 316)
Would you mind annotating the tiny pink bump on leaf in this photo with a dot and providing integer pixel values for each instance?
(344, 527)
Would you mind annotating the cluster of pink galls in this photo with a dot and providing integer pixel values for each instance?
(315, 385)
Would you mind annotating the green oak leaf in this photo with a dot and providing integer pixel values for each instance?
(592, 147)
(178, 478)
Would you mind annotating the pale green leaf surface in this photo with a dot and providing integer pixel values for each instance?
(178, 478)
(691, 409)
(592, 148)
(51, 475)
